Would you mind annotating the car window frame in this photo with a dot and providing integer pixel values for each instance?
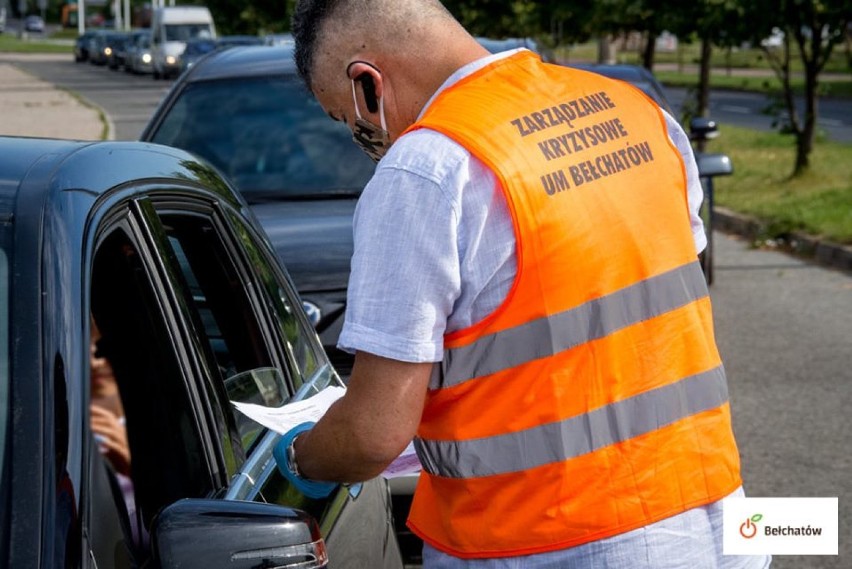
(127, 215)
(259, 468)
(219, 214)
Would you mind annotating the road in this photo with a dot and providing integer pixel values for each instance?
(747, 110)
(783, 327)
(128, 99)
(785, 334)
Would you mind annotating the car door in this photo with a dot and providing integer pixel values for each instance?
(216, 300)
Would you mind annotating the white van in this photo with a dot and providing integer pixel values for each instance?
(171, 27)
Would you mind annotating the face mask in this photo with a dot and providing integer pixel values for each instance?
(372, 139)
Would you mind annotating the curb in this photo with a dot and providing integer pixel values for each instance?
(819, 251)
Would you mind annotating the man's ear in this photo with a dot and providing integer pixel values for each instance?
(370, 80)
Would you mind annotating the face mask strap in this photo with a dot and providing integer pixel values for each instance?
(355, 100)
(382, 113)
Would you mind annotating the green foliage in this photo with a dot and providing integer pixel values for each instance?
(818, 202)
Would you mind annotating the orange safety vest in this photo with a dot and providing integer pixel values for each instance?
(593, 401)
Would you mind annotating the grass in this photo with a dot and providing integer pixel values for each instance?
(818, 203)
(12, 44)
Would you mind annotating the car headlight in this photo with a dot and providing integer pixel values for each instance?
(171, 59)
(107, 51)
(146, 58)
(313, 311)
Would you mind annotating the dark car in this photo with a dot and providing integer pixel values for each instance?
(245, 111)
(700, 129)
(139, 59)
(635, 75)
(81, 46)
(117, 49)
(196, 48)
(136, 39)
(156, 252)
(99, 49)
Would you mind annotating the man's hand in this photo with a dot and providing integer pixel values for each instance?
(369, 426)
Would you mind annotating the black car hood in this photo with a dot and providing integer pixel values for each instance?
(312, 238)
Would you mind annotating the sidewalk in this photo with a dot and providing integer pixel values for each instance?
(32, 107)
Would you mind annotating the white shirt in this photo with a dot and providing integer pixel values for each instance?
(434, 253)
(435, 246)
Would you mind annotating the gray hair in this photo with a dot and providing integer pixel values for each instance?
(316, 20)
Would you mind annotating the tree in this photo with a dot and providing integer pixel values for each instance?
(812, 29)
(712, 22)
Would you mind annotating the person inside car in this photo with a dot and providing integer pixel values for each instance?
(107, 419)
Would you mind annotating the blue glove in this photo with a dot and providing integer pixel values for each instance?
(311, 488)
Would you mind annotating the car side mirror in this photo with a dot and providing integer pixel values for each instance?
(702, 128)
(237, 535)
(711, 165)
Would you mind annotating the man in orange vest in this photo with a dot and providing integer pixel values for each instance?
(525, 302)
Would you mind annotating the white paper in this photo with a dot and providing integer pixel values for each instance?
(282, 419)
(403, 465)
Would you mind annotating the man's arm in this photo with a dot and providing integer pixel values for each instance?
(369, 426)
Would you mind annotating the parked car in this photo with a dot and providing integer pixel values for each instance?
(81, 46)
(246, 111)
(701, 129)
(139, 59)
(34, 24)
(195, 50)
(155, 250)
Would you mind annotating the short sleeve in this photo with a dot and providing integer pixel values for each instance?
(405, 276)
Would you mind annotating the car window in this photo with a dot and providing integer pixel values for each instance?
(186, 32)
(300, 340)
(222, 296)
(269, 136)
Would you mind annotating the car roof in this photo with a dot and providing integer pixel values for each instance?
(244, 61)
(63, 165)
(633, 74)
(623, 71)
(17, 157)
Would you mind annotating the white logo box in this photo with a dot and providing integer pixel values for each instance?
(780, 526)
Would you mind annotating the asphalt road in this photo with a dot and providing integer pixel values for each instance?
(783, 327)
(128, 99)
(785, 334)
(748, 110)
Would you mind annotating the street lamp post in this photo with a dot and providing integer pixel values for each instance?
(81, 17)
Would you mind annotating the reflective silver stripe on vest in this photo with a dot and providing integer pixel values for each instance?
(590, 321)
(563, 440)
